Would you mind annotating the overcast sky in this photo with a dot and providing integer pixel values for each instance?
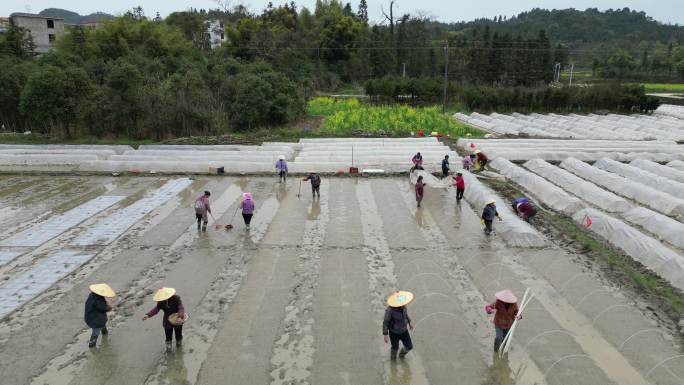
(671, 11)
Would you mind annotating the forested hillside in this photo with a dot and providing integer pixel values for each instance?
(148, 77)
(617, 43)
(73, 17)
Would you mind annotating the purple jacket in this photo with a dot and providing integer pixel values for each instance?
(281, 165)
(247, 206)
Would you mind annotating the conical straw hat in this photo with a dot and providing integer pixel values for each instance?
(164, 293)
(490, 201)
(506, 296)
(102, 289)
(400, 298)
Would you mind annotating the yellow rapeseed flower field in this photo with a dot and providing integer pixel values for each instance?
(351, 116)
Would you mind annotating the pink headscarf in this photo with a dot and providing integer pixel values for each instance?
(247, 196)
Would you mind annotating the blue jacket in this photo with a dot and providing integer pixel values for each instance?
(489, 213)
(95, 311)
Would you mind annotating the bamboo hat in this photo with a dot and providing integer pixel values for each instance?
(477, 151)
(490, 201)
(400, 298)
(102, 289)
(281, 157)
(506, 296)
(164, 293)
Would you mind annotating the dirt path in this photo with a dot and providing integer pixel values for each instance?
(298, 299)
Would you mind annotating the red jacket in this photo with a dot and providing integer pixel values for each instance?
(505, 314)
(459, 182)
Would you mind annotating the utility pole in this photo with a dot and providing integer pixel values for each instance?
(403, 70)
(556, 73)
(572, 69)
(446, 76)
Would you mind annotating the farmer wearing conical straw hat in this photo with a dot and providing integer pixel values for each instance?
(396, 324)
(488, 214)
(96, 308)
(481, 159)
(281, 169)
(506, 308)
(174, 313)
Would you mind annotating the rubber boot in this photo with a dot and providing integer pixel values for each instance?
(403, 353)
(92, 342)
(204, 228)
(105, 331)
(179, 343)
(393, 355)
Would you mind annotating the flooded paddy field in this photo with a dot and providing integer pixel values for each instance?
(298, 298)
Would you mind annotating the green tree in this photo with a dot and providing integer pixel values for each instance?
(52, 96)
(12, 81)
(362, 13)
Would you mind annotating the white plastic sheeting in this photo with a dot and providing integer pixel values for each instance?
(117, 148)
(43, 232)
(20, 290)
(591, 193)
(647, 196)
(176, 166)
(327, 155)
(664, 227)
(514, 231)
(272, 147)
(663, 184)
(370, 140)
(671, 110)
(48, 159)
(588, 150)
(201, 154)
(591, 126)
(100, 154)
(677, 164)
(391, 155)
(8, 254)
(651, 253)
(658, 169)
(110, 228)
(430, 180)
(546, 192)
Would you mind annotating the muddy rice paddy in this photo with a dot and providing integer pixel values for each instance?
(298, 298)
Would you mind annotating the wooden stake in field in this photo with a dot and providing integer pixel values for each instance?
(506, 344)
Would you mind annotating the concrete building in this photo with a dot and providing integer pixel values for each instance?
(216, 33)
(44, 30)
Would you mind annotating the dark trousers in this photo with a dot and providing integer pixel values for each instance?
(405, 339)
(500, 335)
(247, 218)
(96, 333)
(445, 172)
(200, 219)
(459, 193)
(488, 226)
(178, 330)
(316, 190)
(282, 175)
